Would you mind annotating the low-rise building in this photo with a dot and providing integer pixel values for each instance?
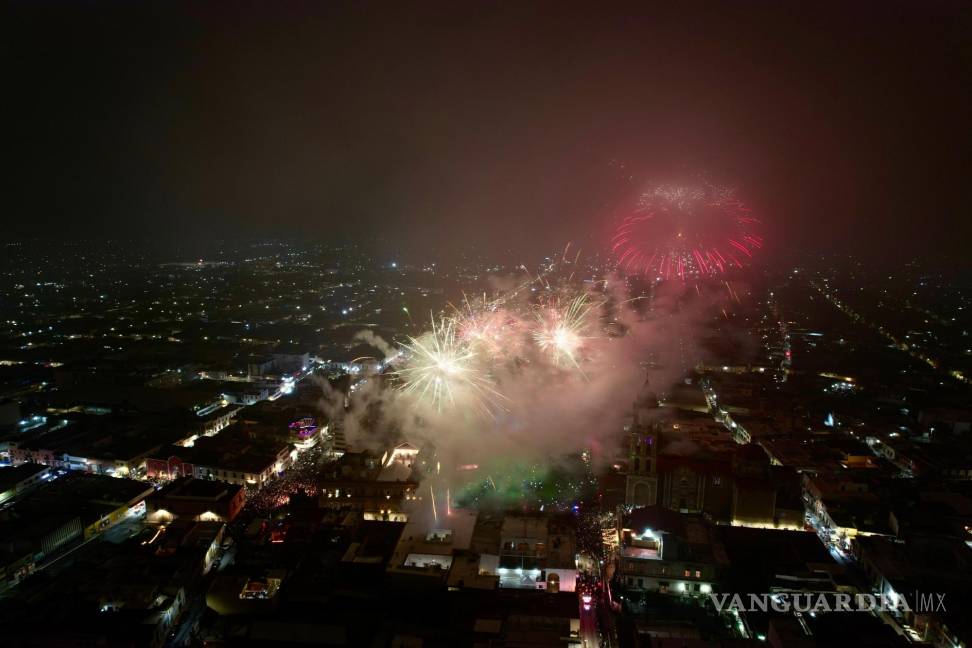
(196, 499)
(76, 506)
(663, 551)
(923, 569)
(18, 479)
(234, 455)
(430, 551)
(537, 552)
(133, 594)
(361, 481)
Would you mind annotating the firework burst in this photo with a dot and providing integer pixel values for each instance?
(441, 370)
(687, 231)
(489, 328)
(563, 328)
(463, 362)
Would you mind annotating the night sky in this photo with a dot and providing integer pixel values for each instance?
(846, 125)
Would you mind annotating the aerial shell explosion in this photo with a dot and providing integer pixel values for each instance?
(460, 361)
(686, 232)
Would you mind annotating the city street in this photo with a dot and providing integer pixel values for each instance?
(597, 628)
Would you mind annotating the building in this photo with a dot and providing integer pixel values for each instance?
(245, 393)
(18, 479)
(404, 453)
(56, 513)
(106, 445)
(196, 499)
(289, 358)
(465, 549)
(133, 594)
(430, 551)
(916, 567)
(99, 500)
(26, 538)
(641, 482)
(663, 551)
(696, 484)
(238, 455)
(681, 461)
(294, 422)
(846, 507)
(772, 560)
(537, 552)
(258, 366)
(209, 421)
(359, 480)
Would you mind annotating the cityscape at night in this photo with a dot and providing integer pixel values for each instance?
(505, 325)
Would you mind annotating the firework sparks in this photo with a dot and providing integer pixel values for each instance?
(687, 232)
(487, 327)
(462, 362)
(562, 330)
(482, 330)
(442, 370)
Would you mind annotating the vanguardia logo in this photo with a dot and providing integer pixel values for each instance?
(806, 602)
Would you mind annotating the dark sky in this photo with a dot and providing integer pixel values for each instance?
(844, 124)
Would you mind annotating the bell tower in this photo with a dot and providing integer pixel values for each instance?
(641, 483)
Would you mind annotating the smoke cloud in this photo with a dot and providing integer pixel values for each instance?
(375, 340)
(547, 411)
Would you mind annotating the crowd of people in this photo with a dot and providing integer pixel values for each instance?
(264, 500)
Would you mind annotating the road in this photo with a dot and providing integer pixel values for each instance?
(896, 342)
(588, 626)
(720, 415)
(181, 635)
(597, 628)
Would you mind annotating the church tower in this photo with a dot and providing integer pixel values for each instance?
(641, 483)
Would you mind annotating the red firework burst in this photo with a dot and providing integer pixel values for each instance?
(687, 232)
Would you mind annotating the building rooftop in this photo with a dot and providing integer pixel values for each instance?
(422, 536)
(232, 449)
(11, 476)
(202, 489)
(78, 486)
(756, 557)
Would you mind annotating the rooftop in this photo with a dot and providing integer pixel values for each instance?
(202, 489)
(11, 476)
